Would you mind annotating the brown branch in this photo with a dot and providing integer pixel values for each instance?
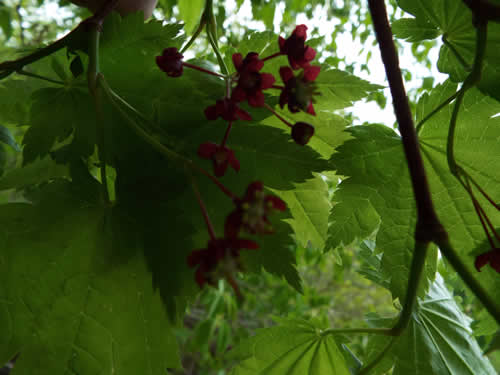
(428, 226)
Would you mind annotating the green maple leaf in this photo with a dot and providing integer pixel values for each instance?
(39, 171)
(453, 20)
(66, 305)
(438, 339)
(293, 347)
(309, 205)
(339, 89)
(379, 191)
(55, 114)
(12, 109)
(190, 12)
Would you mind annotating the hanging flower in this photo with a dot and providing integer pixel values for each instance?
(252, 210)
(299, 91)
(170, 62)
(250, 81)
(228, 109)
(299, 55)
(220, 259)
(492, 257)
(221, 156)
(302, 133)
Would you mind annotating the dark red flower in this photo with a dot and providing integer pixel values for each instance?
(170, 62)
(252, 210)
(250, 63)
(492, 257)
(299, 55)
(299, 91)
(250, 81)
(219, 259)
(221, 157)
(227, 109)
(302, 132)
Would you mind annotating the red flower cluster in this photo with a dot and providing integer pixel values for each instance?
(299, 55)
(170, 62)
(228, 109)
(251, 82)
(252, 210)
(299, 91)
(248, 85)
(220, 259)
(221, 156)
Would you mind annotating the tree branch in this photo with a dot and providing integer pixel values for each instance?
(428, 225)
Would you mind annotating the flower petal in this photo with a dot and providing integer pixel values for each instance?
(277, 203)
(300, 31)
(211, 112)
(283, 98)
(309, 53)
(252, 189)
(286, 73)
(232, 225)
(233, 162)
(257, 99)
(241, 243)
(237, 60)
(200, 277)
(311, 73)
(495, 260)
(238, 94)
(310, 109)
(281, 43)
(195, 257)
(220, 168)
(482, 260)
(206, 150)
(267, 80)
(242, 114)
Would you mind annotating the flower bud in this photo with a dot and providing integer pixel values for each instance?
(302, 133)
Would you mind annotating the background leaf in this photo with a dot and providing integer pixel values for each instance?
(438, 339)
(293, 347)
(60, 294)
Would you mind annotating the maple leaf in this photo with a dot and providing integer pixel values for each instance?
(378, 193)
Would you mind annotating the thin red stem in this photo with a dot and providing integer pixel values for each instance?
(479, 212)
(277, 87)
(272, 56)
(214, 179)
(482, 191)
(203, 70)
(277, 115)
(226, 134)
(203, 208)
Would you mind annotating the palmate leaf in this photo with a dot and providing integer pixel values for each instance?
(190, 12)
(453, 20)
(39, 171)
(55, 114)
(378, 175)
(339, 89)
(66, 304)
(309, 205)
(293, 347)
(438, 339)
